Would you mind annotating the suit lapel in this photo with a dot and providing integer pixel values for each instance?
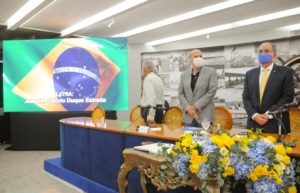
(256, 84)
(270, 80)
(201, 78)
(188, 78)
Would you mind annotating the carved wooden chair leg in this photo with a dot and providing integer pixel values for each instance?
(122, 177)
(215, 189)
(143, 181)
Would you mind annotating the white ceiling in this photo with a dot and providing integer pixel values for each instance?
(65, 13)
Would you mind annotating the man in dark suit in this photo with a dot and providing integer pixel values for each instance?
(266, 89)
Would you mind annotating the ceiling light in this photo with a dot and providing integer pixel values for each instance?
(111, 23)
(27, 11)
(294, 27)
(207, 36)
(182, 17)
(241, 23)
(118, 8)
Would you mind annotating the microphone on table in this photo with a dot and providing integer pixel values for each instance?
(293, 104)
(157, 107)
(285, 108)
(142, 116)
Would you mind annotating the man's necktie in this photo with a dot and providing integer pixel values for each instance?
(264, 79)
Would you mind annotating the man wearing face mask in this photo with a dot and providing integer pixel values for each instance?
(197, 89)
(267, 88)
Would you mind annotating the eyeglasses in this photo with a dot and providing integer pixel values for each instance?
(267, 51)
(197, 56)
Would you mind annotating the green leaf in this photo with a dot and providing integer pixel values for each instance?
(163, 166)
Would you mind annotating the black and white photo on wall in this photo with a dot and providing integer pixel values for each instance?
(231, 62)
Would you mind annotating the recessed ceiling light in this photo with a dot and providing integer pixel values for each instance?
(27, 11)
(111, 23)
(182, 17)
(293, 27)
(116, 9)
(241, 23)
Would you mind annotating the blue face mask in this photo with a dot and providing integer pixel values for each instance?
(264, 58)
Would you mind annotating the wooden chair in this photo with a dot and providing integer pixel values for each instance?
(223, 117)
(173, 116)
(295, 120)
(98, 113)
(135, 115)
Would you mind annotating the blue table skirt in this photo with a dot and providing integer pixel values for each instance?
(97, 156)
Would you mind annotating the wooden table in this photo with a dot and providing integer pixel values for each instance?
(168, 132)
(84, 147)
(149, 166)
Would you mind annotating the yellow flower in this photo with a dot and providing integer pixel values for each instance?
(228, 172)
(186, 142)
(228, 141)
(217, 140)
(245, 141)
(253, 177)
(278, 157)
(173, 152)
(289, 150)
(286, 159)
(224, 151)
(273, 174)
(196, 159)
(271, 138)
(235, 138)
(249, 132)
(253, 137)
(193, 145)
(195, 152)
(245, 148)
(292, 189)
(177, 144)
(260, 170)
(194, 168)
(280, 149)
(225, 161)
(278, 180)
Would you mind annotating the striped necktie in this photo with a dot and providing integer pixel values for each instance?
(264, 79)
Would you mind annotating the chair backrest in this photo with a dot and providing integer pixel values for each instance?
(223, 117)
(135, 114)
(98, 113)
(173, 116)
(295, 120)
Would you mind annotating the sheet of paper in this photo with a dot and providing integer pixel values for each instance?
(155, 129)
(152, 148)
(143, 129)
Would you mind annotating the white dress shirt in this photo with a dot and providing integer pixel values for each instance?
(153, 91)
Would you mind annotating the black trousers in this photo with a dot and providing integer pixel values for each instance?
(159, 113)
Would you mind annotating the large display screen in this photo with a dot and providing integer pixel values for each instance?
(71, 74)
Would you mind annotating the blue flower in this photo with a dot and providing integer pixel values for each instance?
(181, 164)
(242, 168)
(208, 147)
(204, 172)
(264, 184)
(257, 153)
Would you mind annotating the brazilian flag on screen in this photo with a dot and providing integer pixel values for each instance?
(71, 74)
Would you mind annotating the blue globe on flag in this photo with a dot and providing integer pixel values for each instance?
(76, 77)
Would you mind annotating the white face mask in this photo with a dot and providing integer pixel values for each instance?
(198, 62)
